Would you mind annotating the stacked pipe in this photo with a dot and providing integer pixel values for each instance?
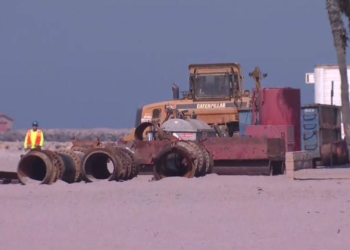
(46, 166)
(94, 165)
(182, 158)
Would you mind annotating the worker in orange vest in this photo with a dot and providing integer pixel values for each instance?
(34, 137)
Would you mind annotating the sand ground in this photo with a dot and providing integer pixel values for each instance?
(213, 212)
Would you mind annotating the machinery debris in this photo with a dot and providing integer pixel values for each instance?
(215, 94)
(216, 127)
(94, 164)
(71, 160)
(182, 158)
(43, 166)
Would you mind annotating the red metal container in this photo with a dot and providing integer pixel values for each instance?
(281, 106)
(273, 131)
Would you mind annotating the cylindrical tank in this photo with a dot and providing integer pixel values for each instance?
(187, 129)
(190, 125)
(281, 106)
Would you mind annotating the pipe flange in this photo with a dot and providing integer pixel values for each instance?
(183, 148)
(208, 160)
(133, 166)
(126, 162)
(197, 153)
(76, 160)
(57, 163)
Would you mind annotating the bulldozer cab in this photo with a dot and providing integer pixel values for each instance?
(211, 82)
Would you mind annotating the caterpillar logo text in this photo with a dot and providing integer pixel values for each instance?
(211, 105)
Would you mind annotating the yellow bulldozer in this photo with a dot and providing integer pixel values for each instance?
(215, 95)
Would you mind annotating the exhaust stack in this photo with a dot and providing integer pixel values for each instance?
(176, 92)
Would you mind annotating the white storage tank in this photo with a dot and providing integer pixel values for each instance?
(322, 78)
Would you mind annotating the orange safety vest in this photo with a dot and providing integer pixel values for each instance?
(29, 138)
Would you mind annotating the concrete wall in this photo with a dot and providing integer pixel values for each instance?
(297, 160)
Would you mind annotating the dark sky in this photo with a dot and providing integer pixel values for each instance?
(89, 63)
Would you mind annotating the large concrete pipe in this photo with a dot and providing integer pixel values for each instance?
(94, 164)
(43, 166)
(182, 158)
(72, 161)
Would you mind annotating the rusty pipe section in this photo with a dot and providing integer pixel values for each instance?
(40, 166)
(71, 162)
(112, 163)
(139, 131)
(182, 158)
(46, 166)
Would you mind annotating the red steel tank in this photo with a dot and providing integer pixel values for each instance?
(281, 106)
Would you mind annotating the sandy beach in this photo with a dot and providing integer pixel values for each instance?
(212, 212)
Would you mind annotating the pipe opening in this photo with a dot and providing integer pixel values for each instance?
(175, 162)
(98, 165)
(32, 167)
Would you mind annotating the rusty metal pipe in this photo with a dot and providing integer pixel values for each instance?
(72, 161)
(80, 152)
(204, 159)
(69, 168)
(174, 162)
(130, 166)
(140, 130)
(94, 165)
(181, 158)
(176, 91)
(41, 166)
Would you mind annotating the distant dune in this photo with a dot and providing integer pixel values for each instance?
(13, 140)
